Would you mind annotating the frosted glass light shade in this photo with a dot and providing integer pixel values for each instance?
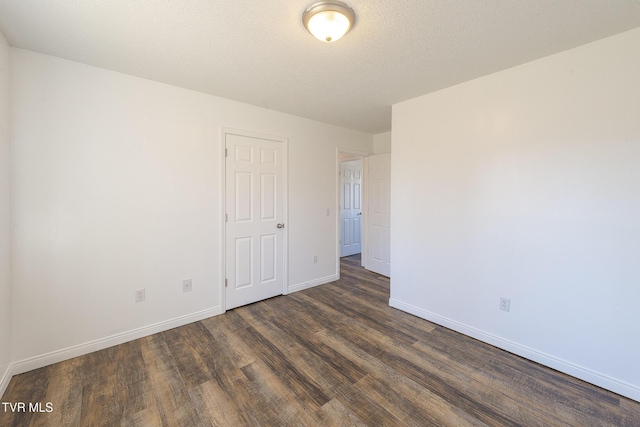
(328, 21)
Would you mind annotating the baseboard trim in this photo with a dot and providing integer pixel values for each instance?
(612, 384)
(312, 283)
(4, 380)
(50, 358)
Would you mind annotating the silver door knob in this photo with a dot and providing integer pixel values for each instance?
(280, 225)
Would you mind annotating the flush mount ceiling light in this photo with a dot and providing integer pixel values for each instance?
(328, 21)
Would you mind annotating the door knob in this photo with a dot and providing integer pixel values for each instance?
(280, 225)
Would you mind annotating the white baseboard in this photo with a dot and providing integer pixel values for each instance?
(4, 380)
(50, 358)
(312, 283)
(617, 386)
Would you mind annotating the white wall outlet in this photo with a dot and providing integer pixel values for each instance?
(327, 212)
(505, 304)
(140, 295)
(186, 285)
(315, 259)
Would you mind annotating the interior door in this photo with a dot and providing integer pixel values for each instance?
(254, 228)
(378, 254)
(350, 208)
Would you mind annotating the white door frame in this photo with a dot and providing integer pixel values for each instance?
(363, 155)
(223, 209)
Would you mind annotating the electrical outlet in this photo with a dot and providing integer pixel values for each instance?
(505, 304)
(315, 259)
(139, 295)
(186, 285)
(327, 212)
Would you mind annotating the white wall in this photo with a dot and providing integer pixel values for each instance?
(5, 225)
(382, 143)
(526, 184)
(116, 186)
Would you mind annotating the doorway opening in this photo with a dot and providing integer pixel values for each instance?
(365, 196)
(350, 232)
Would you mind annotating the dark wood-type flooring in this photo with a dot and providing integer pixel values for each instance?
(333, 355)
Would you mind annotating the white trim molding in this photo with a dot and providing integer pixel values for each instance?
(595, 378)
(313, 283)
(5, 379)
(56, 356)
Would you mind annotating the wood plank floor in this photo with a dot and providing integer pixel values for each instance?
(333, 355)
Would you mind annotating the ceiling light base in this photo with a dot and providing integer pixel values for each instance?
(328, 21)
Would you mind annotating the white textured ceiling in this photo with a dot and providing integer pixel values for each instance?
(258, 52)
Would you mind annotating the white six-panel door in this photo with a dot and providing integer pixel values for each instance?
(350, 208)
(254, 233)
(379, 214)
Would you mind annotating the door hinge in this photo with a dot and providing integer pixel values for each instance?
(226, 283)
(226, 152)
(226, 217)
